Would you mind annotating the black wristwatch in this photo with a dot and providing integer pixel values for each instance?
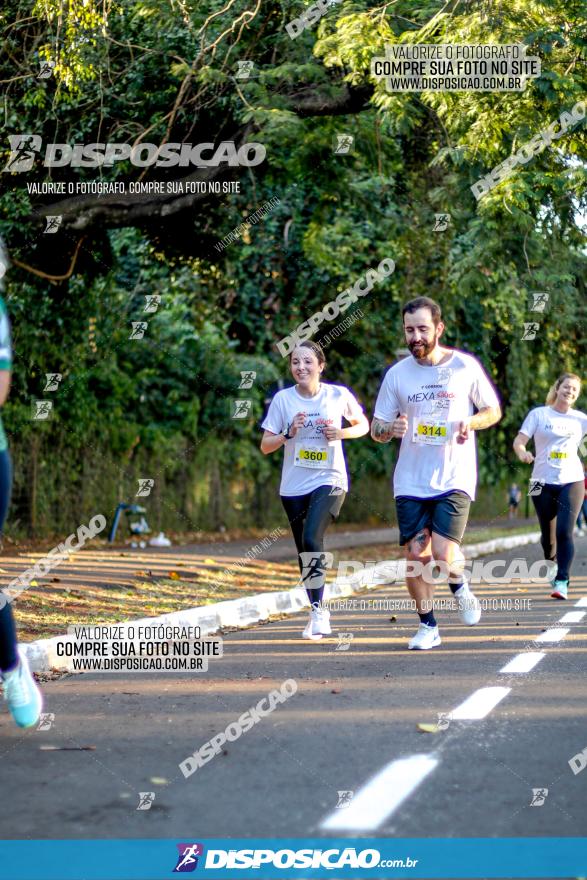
(287, 435)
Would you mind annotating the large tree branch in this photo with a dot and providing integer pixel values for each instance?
(127, 209)
(349, 99)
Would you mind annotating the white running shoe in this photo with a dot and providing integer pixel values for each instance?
(426, 637)
(312, 630)
(323, 620)
(468, 605)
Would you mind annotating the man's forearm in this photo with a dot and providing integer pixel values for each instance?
(381, 432)
(485, 418)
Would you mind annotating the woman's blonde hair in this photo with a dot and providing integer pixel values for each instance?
(551, 396)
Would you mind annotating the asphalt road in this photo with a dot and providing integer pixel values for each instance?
(354, 716)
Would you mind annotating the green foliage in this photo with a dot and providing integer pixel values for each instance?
(139, 70)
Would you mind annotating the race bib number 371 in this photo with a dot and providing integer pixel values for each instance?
(313, 456)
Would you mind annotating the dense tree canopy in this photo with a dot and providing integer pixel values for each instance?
(162, 73)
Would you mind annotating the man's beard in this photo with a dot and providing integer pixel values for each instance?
(421, 349)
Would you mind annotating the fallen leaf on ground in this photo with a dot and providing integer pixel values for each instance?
(334, 691)
(158, 780)
(428, 728)
(174, 576)
(209, 561)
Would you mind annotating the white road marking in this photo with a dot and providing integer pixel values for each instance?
(479, 704)
(553, 635)
(383, 794)
(523, 662)
(573, 617)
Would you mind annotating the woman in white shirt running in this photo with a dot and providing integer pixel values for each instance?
(557, 477)
(306, 420)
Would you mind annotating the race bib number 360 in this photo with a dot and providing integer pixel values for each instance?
(430, 432)
(313, 456)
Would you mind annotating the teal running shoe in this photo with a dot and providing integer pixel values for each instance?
(559, 589)
(24, 698)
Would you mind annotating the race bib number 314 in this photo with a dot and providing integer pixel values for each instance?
(432, 432)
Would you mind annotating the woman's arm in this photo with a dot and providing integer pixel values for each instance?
(272, 442)
(359, 427)
(520, 448)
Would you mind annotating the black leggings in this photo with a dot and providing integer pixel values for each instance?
(309, 515)
(557, 508)
(8, 655)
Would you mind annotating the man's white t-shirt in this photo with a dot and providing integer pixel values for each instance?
(436, 399)
(557, 437)
(309, 459)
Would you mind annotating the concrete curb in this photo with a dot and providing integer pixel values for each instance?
(42, 653)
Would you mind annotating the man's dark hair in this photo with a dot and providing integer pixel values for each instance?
(424, 302)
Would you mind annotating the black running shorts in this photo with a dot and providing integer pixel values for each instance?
(446, 515)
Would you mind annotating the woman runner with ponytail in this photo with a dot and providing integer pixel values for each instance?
(557, 476)
(306, 420)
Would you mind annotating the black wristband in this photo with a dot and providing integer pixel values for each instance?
(287, 435)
